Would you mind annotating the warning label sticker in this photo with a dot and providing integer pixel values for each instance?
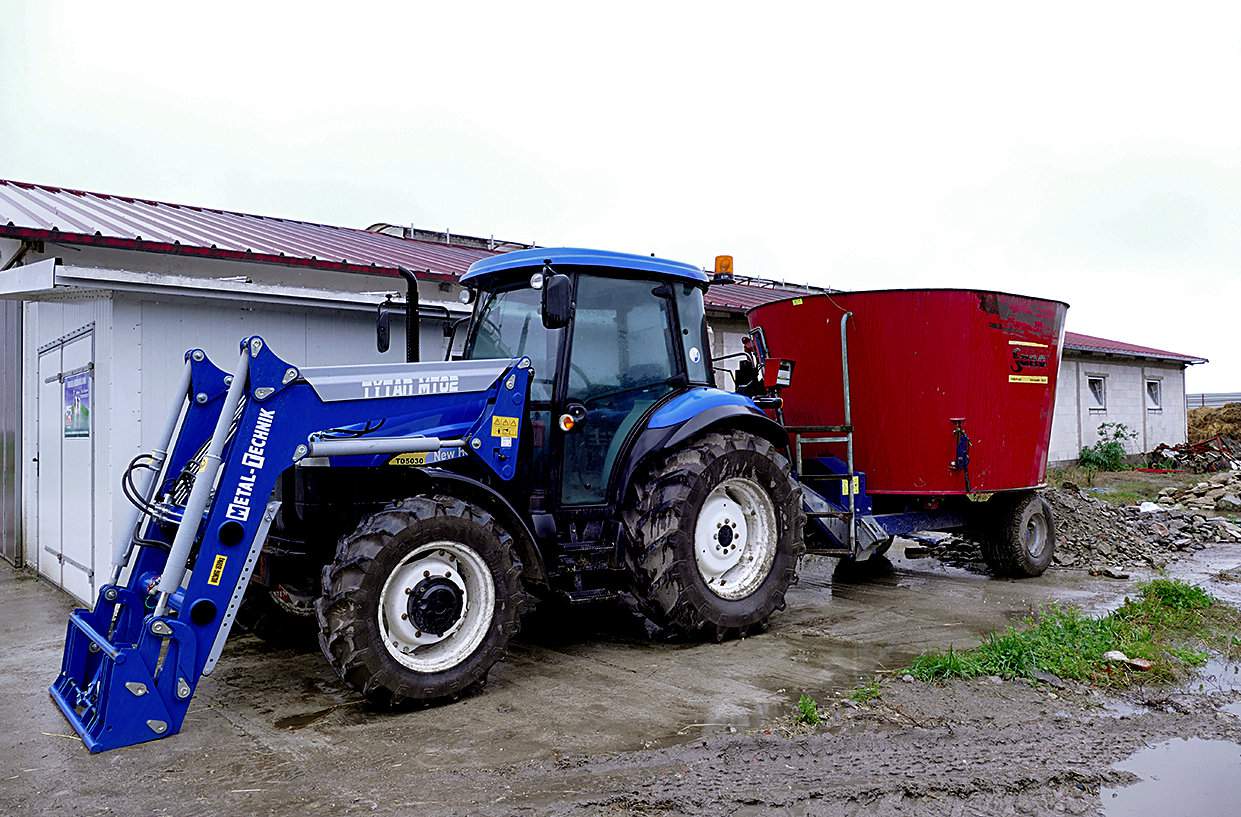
(1027, 378)
(217, 570)
(504, 427)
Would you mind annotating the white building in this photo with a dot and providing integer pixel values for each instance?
(1106, 381)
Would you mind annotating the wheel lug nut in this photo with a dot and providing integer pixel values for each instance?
(426, 574)
(417, 633)
(404, 616)
(408, 590)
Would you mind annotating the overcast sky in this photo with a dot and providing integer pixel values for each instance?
(1089, 152)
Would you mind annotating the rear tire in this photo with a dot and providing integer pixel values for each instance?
(420, 601)
(1022, 537)
(689, 573)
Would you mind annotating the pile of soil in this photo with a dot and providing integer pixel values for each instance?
(1205, 423)
(1094, 534)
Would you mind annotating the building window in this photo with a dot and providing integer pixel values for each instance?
(1154, 394)
(1097, 386)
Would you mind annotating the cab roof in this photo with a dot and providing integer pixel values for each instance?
(534, 259)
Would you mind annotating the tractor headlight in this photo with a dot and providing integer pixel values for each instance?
(536, 281)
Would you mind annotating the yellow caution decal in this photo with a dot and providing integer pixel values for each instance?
(797, 302)
(419, 458)
(1027, 343)
(504, 427)
(1027, 378)
(217, 570)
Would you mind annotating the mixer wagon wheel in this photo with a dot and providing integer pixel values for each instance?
(1022, 539)
(420, 601)
(715, 531)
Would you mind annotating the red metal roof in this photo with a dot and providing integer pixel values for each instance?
(1088, 343)
(60, 215)
(56, 214)
(742, 297)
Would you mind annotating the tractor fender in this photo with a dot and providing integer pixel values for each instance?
(484, 495)
(690, 414)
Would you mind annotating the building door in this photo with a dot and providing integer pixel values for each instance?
(65, 463)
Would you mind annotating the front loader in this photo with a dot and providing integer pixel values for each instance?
(580, 450)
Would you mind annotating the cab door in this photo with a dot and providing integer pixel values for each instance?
(622, 359)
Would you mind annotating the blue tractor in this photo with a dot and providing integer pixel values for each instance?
(578, 450)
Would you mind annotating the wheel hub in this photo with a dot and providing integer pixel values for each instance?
(435, 605)
(735, 538)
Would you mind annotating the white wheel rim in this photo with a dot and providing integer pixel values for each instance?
(1036, 535)
(735, 538)
(423, 651)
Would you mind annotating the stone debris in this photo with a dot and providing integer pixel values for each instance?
(1118, 657)
(1106, 539)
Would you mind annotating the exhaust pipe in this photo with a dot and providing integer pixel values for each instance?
(412, 328)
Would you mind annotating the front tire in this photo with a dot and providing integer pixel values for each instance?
(1022, 539)
(715, 532)
(420, 601)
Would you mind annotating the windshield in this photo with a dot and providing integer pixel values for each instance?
(510, 325)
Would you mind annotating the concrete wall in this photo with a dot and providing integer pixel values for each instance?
(10, 430)
(726, 334)
(1076, 420)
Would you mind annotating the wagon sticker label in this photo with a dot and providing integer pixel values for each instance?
(504, 427)
(217, 570)
(1027, 355)
(77, 405)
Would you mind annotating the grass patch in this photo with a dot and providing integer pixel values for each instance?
(866, 692)
(1172, 624)
(807, 711)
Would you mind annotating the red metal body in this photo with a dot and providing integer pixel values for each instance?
(919, 360)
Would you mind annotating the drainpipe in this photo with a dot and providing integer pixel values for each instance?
(411, 315)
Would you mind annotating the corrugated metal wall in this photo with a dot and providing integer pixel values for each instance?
(10, 429)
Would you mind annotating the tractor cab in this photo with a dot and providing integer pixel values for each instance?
(610, 337)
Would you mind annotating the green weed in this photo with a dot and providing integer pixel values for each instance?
(1170, 624)
(808, 711)
(866, 692)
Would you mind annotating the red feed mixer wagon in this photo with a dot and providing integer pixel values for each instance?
(917, 410)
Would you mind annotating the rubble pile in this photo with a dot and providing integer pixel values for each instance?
(1105, 538)
(1214, 454)
(1220, 492)
(1093, 533)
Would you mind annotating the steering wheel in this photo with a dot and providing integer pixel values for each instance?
(580, 372)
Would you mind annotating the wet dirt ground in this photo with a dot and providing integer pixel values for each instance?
(588, 717)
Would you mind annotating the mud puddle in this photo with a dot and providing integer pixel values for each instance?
(1187, 777)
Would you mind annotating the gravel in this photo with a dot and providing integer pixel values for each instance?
(1104, 538)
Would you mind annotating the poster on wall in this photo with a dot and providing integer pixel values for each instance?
(77, 405)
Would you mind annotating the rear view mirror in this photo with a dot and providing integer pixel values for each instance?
(557, 301)
(383, 327)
